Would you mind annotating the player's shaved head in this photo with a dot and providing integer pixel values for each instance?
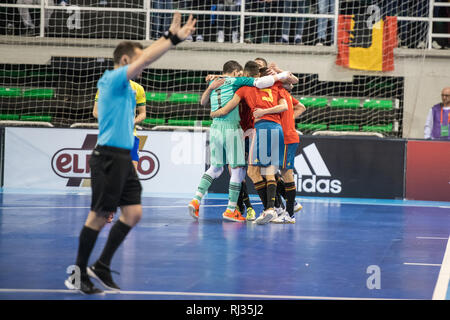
(126, 48)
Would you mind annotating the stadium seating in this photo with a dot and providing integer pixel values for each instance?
(40, 93)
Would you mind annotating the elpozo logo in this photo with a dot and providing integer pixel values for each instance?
(320, 177)
(73, 163)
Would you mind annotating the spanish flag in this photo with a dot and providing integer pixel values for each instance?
(366, 45)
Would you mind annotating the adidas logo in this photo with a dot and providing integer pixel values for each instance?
(310, 163)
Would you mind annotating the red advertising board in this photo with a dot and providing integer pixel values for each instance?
(428, 170)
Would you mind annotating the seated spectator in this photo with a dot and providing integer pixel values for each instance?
(30, 27)
(441, 27)
(293, 7)
(161, 21)
(201, 18)
(438, 120)
(232, 22)
(325, 7)
(260, 29)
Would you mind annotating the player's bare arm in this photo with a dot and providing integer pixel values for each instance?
(162, 45)
(291, 79)
(211, 77)
(204, 101)
(298, 110)
(95, 110)
(281, 107)
(141, 114)
(268, 81)
(233, 103)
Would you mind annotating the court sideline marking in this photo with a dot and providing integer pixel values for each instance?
(442, 283)
(204, 294)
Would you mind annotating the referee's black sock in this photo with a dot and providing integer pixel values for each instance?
(86, 243)
(116, 236)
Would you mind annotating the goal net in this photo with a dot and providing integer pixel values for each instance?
(53, 53)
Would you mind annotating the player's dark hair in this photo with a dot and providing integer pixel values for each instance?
(264, 61)
(231, 66)
(125, 48)
(264, 71)
(251, 68)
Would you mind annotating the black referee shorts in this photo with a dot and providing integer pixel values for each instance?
(114, 180)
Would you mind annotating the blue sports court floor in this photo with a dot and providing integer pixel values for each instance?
(338, 249)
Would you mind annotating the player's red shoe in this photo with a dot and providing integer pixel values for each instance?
(194, 208)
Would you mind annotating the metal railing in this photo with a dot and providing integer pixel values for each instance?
(148, 10)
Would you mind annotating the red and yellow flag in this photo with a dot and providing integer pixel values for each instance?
(366, 47)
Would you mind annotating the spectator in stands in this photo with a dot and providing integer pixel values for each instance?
(232, 22)
(411, 34)
(325, 7)
(259, 29)
(30, 27)
(441, 27)
(201, 18)
(161, 21)
(438, 120)
(290, 6)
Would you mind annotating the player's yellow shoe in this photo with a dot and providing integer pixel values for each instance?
(194, 208)
(251, 214)
(233, 215)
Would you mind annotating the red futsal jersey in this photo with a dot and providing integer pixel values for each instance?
(246, 114)
(261, 99)
(287, 119)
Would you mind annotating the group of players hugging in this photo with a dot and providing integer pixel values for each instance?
(253, 133)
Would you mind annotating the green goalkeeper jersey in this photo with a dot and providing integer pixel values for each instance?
(220, 97)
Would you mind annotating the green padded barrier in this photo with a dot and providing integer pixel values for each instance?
(10, 92)
(36, 118)
(184, 98)
(206, 123)
(154, 121)
(379, 128)
(156, 96)
(314, 102)
(175, 122)
(312, 126)
(378, 104)
(9, 117)
(344, 127)
(39, 93)
(345, 103)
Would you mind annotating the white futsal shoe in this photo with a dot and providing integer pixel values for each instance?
(284, 218)
(266, 216)
(297, 207)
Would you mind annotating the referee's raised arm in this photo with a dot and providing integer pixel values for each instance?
(171, 38)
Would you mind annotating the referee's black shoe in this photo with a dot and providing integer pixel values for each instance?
(84, 285)
(102, 273)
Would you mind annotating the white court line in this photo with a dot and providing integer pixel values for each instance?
(422, 264)
(144, 207)
(443, 281)
(203, 294)
(432, 238)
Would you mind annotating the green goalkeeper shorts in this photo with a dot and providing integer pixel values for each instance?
(226, 142)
